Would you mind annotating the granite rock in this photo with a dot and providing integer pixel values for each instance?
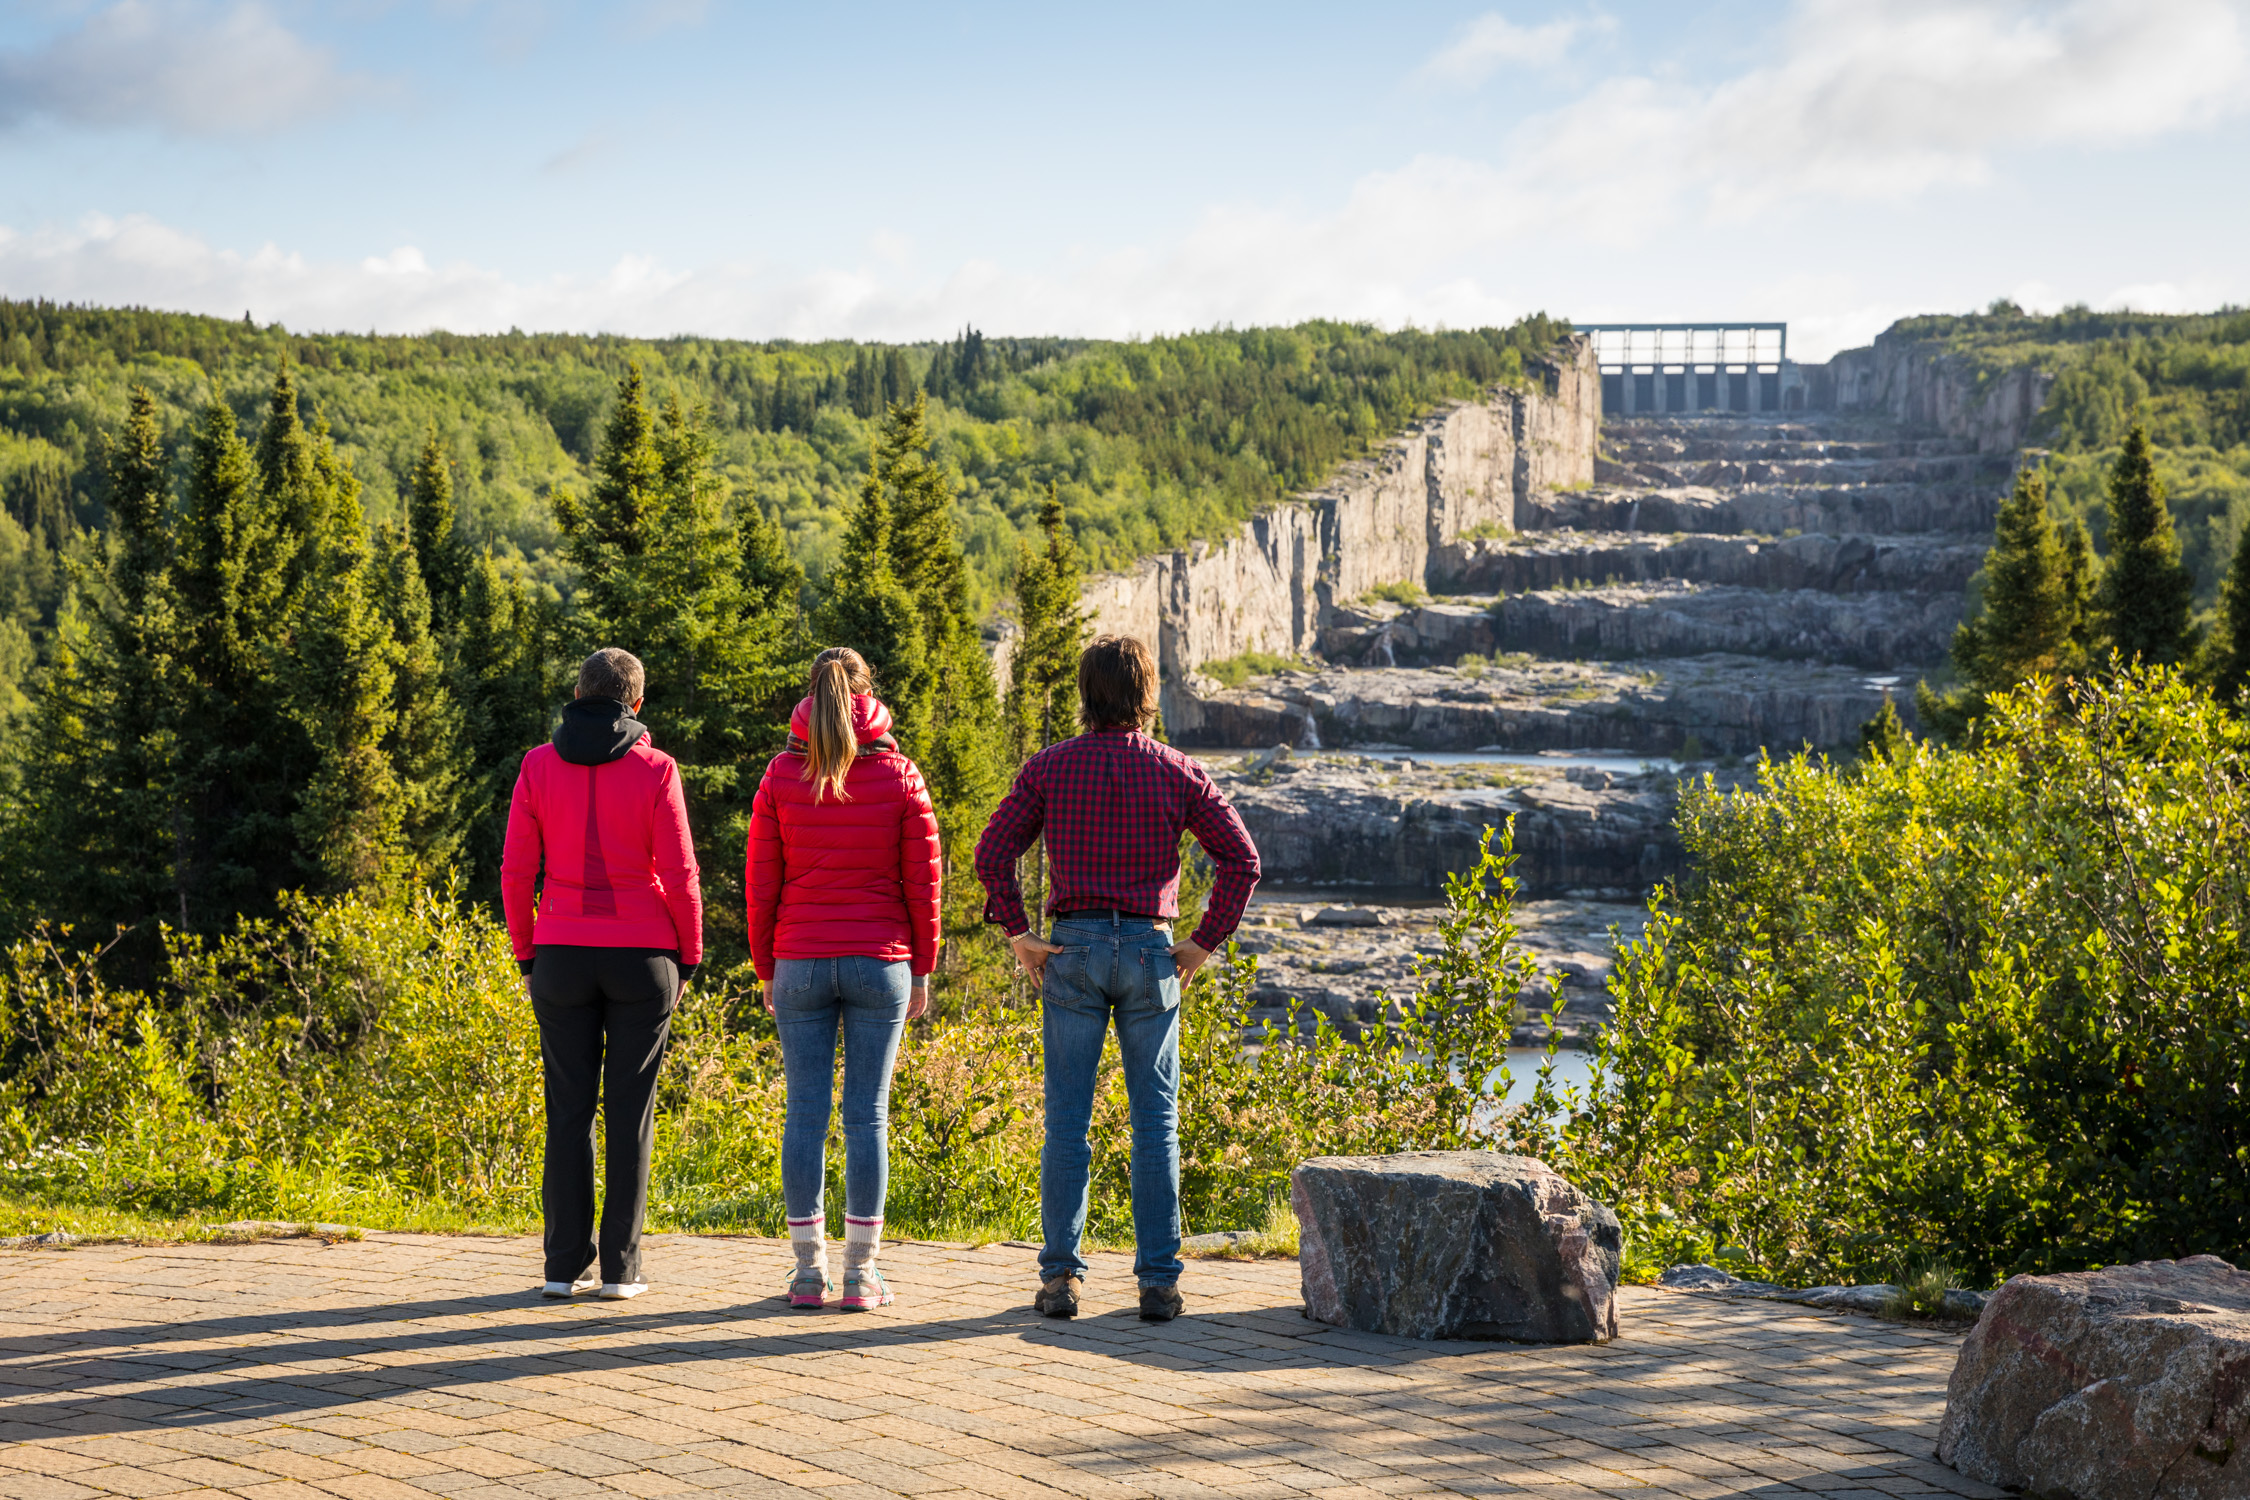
(1456, 1244)
(2133, 1380)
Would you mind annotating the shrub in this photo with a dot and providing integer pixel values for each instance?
(1234, 671)
(1986, 1005)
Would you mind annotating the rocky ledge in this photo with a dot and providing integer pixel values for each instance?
(1713, 704)
(1350, 962)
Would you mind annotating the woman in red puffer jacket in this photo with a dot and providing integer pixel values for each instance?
(842, 874)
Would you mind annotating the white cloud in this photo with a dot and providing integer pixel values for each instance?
(1492, 41)
(1882, 100)
(182, 66)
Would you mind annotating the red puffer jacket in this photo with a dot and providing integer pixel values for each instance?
(600, 812)
(844, 879)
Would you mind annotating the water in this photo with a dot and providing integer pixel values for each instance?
(1572, 1069)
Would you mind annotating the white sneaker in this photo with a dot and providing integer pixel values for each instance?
(618, 1291)
(561, 1290)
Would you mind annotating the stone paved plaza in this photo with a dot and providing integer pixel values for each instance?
(403, 1367)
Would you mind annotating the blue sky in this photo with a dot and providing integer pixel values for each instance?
(896, 171)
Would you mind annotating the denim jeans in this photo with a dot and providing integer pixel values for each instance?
(1117, 968)
(811, 998)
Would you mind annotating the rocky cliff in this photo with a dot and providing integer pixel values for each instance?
(1918, 383)
(1473, 466)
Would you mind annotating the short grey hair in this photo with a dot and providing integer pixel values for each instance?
(612, 673)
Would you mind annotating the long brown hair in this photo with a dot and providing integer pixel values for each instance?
(830, 744)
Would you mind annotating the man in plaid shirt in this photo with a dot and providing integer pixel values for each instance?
(1112, 803)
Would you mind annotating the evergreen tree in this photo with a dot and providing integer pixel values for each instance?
(241, 756)
(424, 743)
(2082, 594)
(2230, 646)
(341, 678)
(2146, 591)
(666, 571)
(294, 489)
(498, 669)
(948, 708)
(1884, 735)
(898, 378)
(863, 605)
(2025, 627)
(1043, 673)
(99, 845)
(433, 532)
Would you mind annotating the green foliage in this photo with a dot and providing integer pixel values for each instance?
(1234, 671)
(2229, 666)
(2146, 593)
(1983, 1004)
(1405, 592)
(1152, 443)
(1043, 672)
(375, 1062)
(1883, 736)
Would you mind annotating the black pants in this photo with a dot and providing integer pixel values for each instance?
(605, 1015)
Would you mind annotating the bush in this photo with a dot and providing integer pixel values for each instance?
(1983, 1007)
(378, 1064)
(1234, 671)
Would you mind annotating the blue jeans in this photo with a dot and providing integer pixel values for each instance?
(811, 997)
(1122, 968)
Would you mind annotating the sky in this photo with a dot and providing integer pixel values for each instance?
(903, 171)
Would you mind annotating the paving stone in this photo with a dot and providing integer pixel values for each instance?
(292, 1370)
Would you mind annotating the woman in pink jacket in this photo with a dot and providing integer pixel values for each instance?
(842, 874)
(617, 932)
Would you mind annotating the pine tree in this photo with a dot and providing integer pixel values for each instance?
(100, 845)
(341, 680)
(434, 533)
(294, 490)
(424, 744)
(863, 605)
(497, 666)
(2082, 594)
(2146, 592)
(2024, 629)
(668, 572)
(1884, 736)
(241, 756)
(898, 378)
(949, 709)
(2230, 646)
(1043, 673)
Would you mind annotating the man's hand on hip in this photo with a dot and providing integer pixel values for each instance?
(1190, 958)
(1033, 951)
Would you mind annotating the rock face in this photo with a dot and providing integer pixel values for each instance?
(1456, 1245)
(1354, 820)
(2134, 1381)
(1933, 563)
(1471, 466)
(1916, 381)
(1726, 705)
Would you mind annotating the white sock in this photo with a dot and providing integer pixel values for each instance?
(808, 1238)
(862, 1237)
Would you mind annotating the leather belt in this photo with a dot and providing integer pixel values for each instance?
(1107, 914)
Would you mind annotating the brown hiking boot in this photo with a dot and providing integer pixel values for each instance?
(1160, 1304)
(1058, 1297)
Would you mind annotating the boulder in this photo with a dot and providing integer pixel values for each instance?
(1456, 1245)
(2134, 1380)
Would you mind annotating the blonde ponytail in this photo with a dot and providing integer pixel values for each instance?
(830, 744)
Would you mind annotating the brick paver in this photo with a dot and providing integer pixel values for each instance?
(407, 1367)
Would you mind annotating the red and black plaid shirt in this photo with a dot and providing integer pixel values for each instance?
(1112, 804)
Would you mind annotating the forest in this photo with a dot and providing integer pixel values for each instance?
(2185, 378)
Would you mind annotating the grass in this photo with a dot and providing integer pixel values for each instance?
(1277, 1238)
(1473, 665)
(1405, 593)
(1922, 1295)
(1234, 671)
(100, 1225)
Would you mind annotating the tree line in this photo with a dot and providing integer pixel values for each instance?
(254, 692)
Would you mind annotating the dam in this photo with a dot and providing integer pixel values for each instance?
(1667, 553)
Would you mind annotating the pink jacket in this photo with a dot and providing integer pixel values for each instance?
(843, 879)
(600, 810)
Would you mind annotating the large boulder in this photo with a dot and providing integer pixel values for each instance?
(1456, 1245)
(2094, 1384)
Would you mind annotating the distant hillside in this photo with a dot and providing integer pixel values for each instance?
(1153, 442)
(2186, 376)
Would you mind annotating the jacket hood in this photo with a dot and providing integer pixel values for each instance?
(870, 719)
(597, 731)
